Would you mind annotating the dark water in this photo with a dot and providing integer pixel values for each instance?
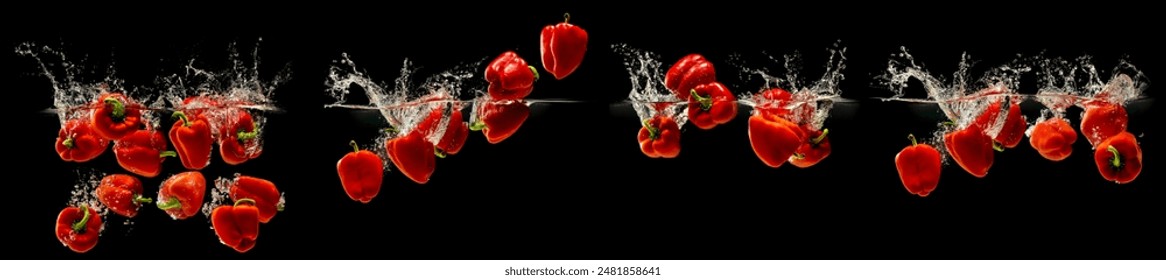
(572, 183)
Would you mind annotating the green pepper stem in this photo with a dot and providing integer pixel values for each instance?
(79, 226)
(181, 115)
(653, 132)
(437, 152)
(705, 102)
(478, 125)
(243, 135)
(169, 204)
(244, 200)
(1116, 161)
(139, 199)
(68, 142)
(391, 129)
(819, 139)
(799, 156)
(119, 109)
(566, 17)
(912, 137)
(997, 146)
(279, 207)
(167, 154)
(355, 148)
(535, 71)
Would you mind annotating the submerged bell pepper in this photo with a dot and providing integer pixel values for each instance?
(711, 104)
(971, 149)
(919, 167)
(660, 137)
(262, 192)
(773, 138)
(122, 194)
(499, 120)
(191, 135)
(239, 138)
(237, 226)
(361, 173)
(116, 116)
(1119, 158)
(181, 195)
(78, 228)
(813, 150)
(78, 143)
(1053, 138)
(142, 152)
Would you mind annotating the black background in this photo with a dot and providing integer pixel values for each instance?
(572, 184)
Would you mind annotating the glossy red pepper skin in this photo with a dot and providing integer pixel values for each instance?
(361, 173)
(238, 138)
(77, 142)
(1103, 120)
(510, 77)
(774, 139)
(192, 139)
(1013, 128)
(971, 149)
(236, 226)
(498, 120)
(181, 195)
(1119, 158)
(778, 102)
(813, 150)
(122, 194)
(78, 228)
(659, 137)
(142, 152)
(919, 168)
(456, 131)
(1053, 138)
(116, 116)
(710, 105)
(262, 192)
(690, 71)
(562, 47)
(413, 155)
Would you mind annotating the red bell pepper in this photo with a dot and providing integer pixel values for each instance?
(181, 195)
(1053, 138)
(562, 47)
(711, 104)
(773, 138)
(456, 131)
(192, 140)
(77, 142)
(813, 150)
(239, 138)
(499, 120)
(122, 194)
(413, 155)
(691, 71)
(660, 137)
(116, 116)
(1119, 158)
(1103, 120)
(919, 167)
(1013, 128)
(971, 149)
(78, 228)
(237, 226)
(142, 152)
(510, 77)
(361, 173)
(262, 192)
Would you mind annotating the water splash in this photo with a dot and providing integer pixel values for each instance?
(404, 105)
(648, 95)
(810, 101)
(220, 196)
(85, 193)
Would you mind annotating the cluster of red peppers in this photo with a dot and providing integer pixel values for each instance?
(200, 122)
(1116, 151)
(497, 115)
